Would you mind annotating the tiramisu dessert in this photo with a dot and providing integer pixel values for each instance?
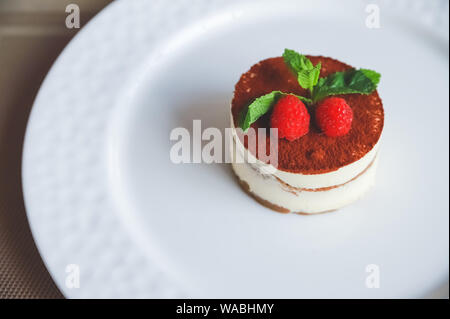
(329, 120)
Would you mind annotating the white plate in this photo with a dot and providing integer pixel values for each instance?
(102, 194)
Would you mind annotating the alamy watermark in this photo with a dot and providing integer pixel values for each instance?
(190, 147)
(373, 17)
(73, 17)
(373, 277)
(72, 276)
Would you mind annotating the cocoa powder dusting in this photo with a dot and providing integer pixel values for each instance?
(314, 153)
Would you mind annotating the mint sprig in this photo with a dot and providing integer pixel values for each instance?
(261, 106)
(360, 81)
(307, 74)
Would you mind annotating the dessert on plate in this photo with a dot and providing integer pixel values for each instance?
(328, 118)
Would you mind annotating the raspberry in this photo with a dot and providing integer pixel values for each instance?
(291, 118)
(334, 116)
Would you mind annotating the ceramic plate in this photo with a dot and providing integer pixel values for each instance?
(113, 216)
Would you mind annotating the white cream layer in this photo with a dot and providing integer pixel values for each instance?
(310, 181)
(310, 202)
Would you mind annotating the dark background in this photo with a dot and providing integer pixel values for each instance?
(32, 34)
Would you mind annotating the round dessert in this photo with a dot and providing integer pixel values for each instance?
(315, 173)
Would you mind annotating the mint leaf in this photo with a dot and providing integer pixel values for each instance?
(261, 106)
(258, 108)
(307, 73)
(372, 75)
(360, 81)
(308, 78)
(296, 61)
